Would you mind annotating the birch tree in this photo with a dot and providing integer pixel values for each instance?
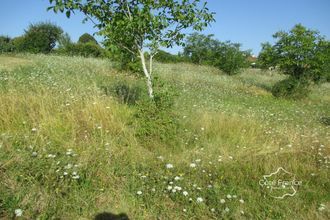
(138, 26)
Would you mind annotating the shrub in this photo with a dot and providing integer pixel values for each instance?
(291, 88)
(155, 119)
(267, 56)
(127, 93)
(200, 48)
(227, 56)
(64, 41)
(85, 50)
(40, 38)
(6, 44)
(230, 58)
(18, 43)
(87, 38)
(165, 57)
(325, 120)
(301, 53)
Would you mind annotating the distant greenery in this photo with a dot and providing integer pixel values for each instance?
(165, 57)
(89, 49)
(230, 59)
(266, 58)
(87, 38)
(40, 38)
(226, 56)
(201, 48)
(86, 46)
(301, 53)
(64, 40)
(6, 44)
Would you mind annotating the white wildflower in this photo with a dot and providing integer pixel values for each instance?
(139, 192)
(222, 201)
(169, 166)
(18, 212)
(199, 199)
(241, 201)
(178, 188)
(228, 196)
(185, 193)
(75, 177)
(69, 166)
(192, 165)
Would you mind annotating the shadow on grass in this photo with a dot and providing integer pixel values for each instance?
(111, 216)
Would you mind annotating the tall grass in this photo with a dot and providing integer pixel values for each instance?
(69, 150)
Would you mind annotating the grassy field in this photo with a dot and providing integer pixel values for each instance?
(70, 151)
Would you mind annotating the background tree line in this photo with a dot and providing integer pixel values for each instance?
(301, 53)
(45, 37)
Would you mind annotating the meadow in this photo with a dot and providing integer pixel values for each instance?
(70, 150)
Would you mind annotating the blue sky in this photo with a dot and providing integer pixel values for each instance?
(249, 22)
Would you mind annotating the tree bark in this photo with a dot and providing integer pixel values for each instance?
(147, 74)
(150, 64)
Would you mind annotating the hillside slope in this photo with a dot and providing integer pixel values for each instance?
(69, 149)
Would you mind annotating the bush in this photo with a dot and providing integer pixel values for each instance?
(126, 93)
(40, 38)
(230, 58)
(6, 44)
(165, 57)
(87, 38)
(18, 43)
(226, 56)
(155, 119)
(291, 88)
(85, 50)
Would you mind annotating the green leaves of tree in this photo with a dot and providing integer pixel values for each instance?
(300, 53)
(124, 22)
(227, 56)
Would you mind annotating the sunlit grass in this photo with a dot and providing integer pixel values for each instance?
(69, 151)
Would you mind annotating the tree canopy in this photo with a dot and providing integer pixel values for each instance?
(227, 56)
(87, 38)
(41, 37)
(300, 52)
(134, 25)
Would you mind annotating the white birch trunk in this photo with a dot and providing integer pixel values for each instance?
(150, 64)
(146, 73)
